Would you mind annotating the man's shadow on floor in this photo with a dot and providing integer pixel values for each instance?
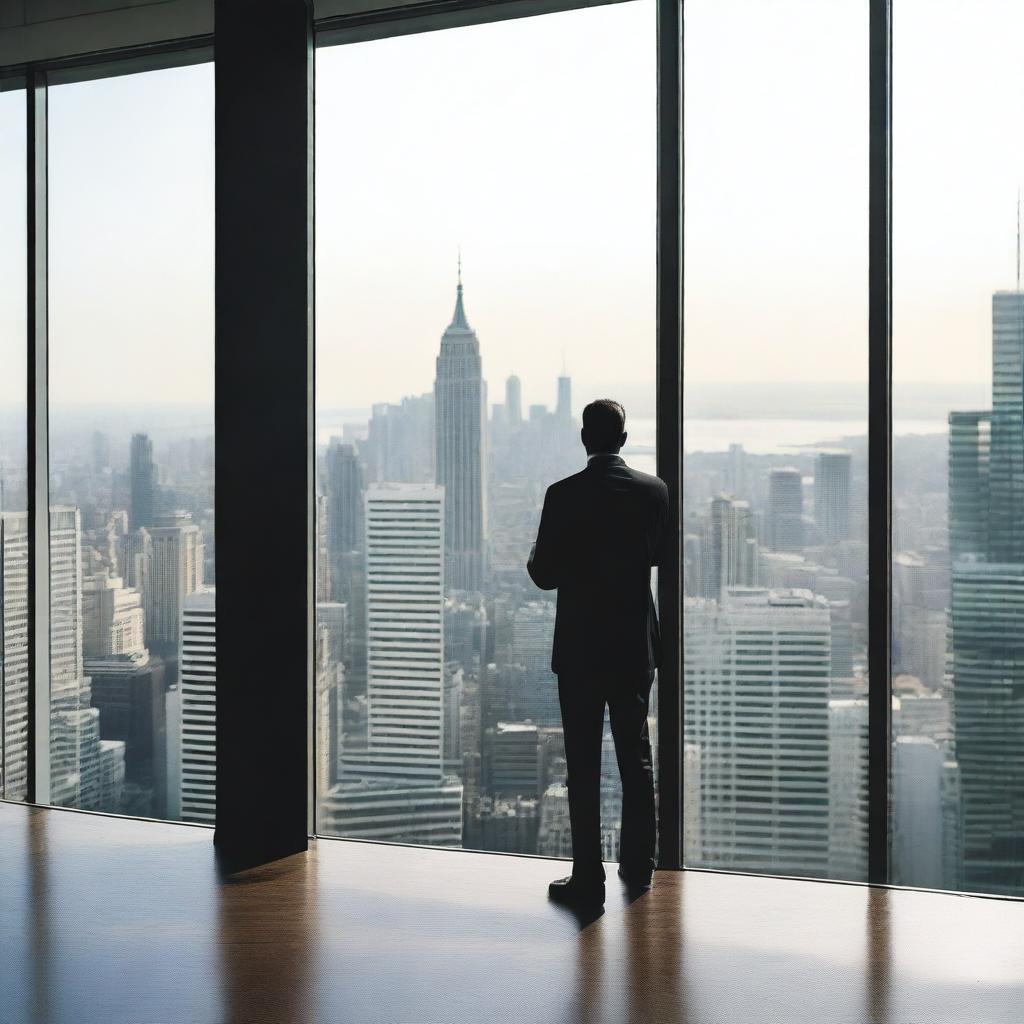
(585, 915)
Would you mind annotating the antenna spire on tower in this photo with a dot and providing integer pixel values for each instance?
(1018, 238)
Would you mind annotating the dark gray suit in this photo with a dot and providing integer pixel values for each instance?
(600, 533)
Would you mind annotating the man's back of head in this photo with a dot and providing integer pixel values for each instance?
(604, 427)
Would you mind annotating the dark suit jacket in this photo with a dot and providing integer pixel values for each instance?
(600, 532)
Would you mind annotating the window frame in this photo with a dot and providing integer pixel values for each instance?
(433, 15)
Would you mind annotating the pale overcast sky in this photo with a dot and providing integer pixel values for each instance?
(531, 144)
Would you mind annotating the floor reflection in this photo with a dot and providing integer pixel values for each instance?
(878, 972)
(655, 947)
(120, 922)
(37, 908)
(268, 931)
(629, 963)
(588, 1002)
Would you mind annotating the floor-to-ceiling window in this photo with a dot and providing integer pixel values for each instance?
(485, 267)
(14, 702)
(131, 443)
(774, 516)
(957, 793)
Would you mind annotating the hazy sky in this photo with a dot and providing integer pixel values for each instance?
(12, 246)
(531, 143)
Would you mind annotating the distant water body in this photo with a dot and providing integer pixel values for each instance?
(757, 436)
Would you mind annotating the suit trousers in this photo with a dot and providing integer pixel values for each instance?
(583, 699)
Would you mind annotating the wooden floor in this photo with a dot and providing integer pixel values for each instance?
(113, 921)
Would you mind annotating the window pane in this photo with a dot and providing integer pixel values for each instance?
(13, 462)
(774, 488)
(958, 518)
(447, 405)
(131, 444)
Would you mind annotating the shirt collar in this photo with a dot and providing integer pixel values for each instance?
(603, 455)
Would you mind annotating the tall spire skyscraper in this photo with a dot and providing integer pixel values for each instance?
(460, 401)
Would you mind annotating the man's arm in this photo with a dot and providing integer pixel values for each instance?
(543, 564)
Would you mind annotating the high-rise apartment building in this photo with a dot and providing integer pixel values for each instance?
(198, 706)
(757, 673)
(142, 471)
(785, 510)
(832, 495)
(460, 409)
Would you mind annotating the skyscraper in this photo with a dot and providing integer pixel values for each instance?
(729, 548)
(143, 482)
(832, 495)
(198, 703)
(460, 404)
(177, 572)
(785, 510)
(323, 551)
(113, 620)
(14, 655)
(514, 401)
(400, 445)
(970, 442)
(918, 841)
(404, 629)
(1006, 470)
(396, 789)
(563, 410)
(848, 789)
(81, 774)
(344, 494)
(986, 526)
(756, 675)
(533, 630)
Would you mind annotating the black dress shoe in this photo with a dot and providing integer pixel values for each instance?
(636, 879)
(572, 890)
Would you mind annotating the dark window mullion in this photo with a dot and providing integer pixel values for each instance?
(879, 439)
(37, 443)
(669, 423)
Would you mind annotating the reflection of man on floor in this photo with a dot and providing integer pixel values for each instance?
(600, 533)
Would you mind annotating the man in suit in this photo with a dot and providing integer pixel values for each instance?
(600, 533)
